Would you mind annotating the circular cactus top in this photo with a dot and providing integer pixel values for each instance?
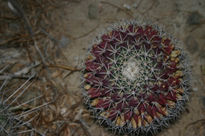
(135, 79)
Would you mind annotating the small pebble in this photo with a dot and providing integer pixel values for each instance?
(194, 18)
(202, 59)
(202, 55)
(64, 41)
(135, 5)
(93, 11)
(191, 44)
(195, 89)
(203, 69)
(203, 101)
(63, 111)
(126, 6)
(78, 115)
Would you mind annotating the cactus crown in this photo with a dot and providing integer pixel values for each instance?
(135, 79)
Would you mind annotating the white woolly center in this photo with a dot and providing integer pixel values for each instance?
(131, 69)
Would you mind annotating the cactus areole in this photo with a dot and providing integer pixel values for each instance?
(135, 79)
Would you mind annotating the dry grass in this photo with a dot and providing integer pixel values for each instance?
(25, 35)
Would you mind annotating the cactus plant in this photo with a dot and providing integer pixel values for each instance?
(15, 119)
(136, 79)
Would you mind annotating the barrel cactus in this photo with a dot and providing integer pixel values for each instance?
(16, 116)
(136, 79)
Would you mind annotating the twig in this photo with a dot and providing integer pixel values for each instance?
(197, 26)
(83, 35)
(18, 38)
(4, 68)
(121, 9)
(84, 126)
(8, 40)
(50, 36)
(64, 67)
(193, 123)
(16, 8)
(39, 52)
(8, 18)
(28, 125)
(139, 3)
(26, 69)
(21, 74)
(11, 76)
(55, 41)
(68, 74)
(149, 7)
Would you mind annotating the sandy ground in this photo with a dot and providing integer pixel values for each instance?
(80, 21)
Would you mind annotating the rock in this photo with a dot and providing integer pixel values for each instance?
(93, 11)
(194, 18)
(203, 69)
(202, 60)
(191, 44)
(126, 6)
(64, 41)
(202, 55)
(203, 101)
